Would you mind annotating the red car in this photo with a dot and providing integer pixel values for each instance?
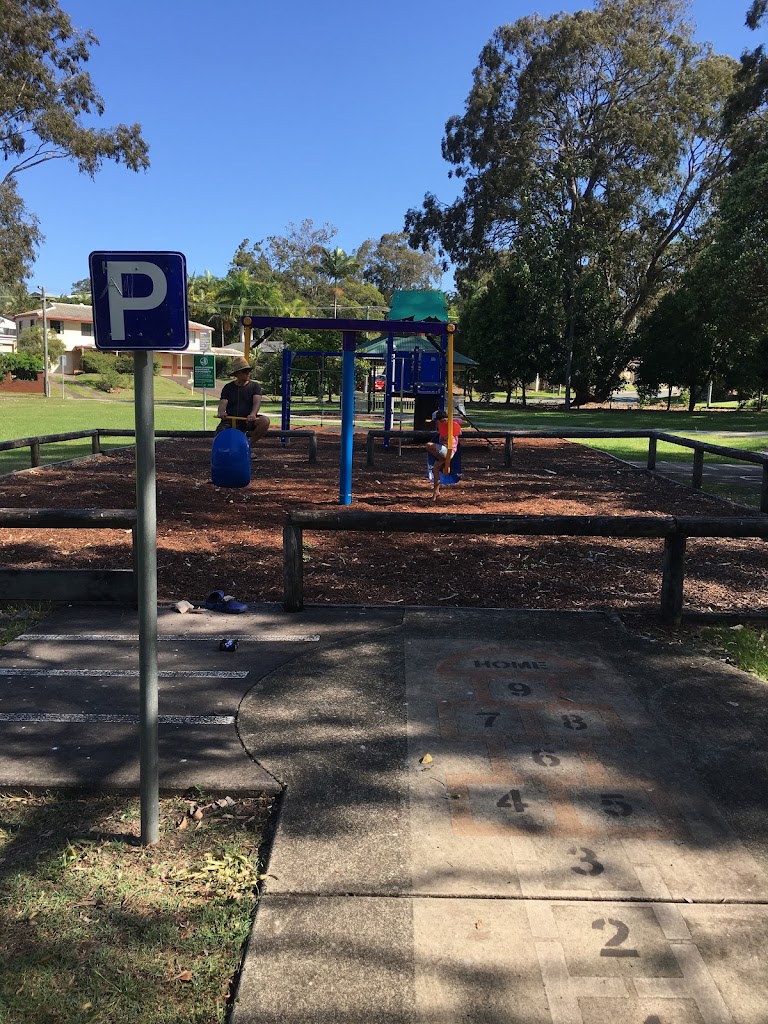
(378, 383)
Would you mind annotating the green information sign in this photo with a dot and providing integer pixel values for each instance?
(204, 371)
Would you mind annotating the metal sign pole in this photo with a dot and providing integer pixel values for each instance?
(140, 306)
(146, 537)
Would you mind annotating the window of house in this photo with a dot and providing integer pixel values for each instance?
(56, 325)
(86, 330)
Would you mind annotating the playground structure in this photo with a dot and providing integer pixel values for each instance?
(349, 329)
(414, 369)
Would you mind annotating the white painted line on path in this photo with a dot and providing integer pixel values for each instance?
(278, 638)
(117, 673)
(40, 716)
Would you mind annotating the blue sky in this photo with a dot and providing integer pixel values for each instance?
(258, 114)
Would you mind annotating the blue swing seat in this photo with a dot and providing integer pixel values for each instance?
(454, 477)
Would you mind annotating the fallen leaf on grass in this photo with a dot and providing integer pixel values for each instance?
(184, 976)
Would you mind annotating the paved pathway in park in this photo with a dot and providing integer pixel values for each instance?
(485, 816)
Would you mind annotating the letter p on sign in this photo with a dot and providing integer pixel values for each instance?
(139, 301)
(121, 289)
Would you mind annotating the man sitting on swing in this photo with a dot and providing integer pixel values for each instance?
(240, 401)
(439, 449)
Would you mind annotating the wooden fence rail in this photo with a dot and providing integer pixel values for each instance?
(310, 436)
(33, 443)
(115, 585)
(577, 433)
(674, 530)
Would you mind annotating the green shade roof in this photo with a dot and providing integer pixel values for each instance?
(419, 305)
(377, 349)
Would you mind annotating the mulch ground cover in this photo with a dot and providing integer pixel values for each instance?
(211, 538)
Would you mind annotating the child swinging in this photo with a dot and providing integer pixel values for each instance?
(438, 461)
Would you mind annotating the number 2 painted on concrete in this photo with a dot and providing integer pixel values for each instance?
(611, 948)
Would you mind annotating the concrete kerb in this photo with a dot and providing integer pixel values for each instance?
(586, 841)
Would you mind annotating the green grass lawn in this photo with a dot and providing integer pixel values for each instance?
(95, 927)
(633, 449)
(500, 416)
(743, 645)
(36, 416)
(166, 391)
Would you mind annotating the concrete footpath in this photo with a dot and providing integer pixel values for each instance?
(485, 816)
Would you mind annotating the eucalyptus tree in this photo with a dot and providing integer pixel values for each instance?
(674, 345)
(507, 326)
(295, 256)
(47, 99)
(392, 264)
(747, 109)
(599, 130)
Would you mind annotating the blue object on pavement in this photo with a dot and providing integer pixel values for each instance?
(231, 459)
(219, 602)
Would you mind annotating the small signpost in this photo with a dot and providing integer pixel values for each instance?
(140, 306)
(204, 376)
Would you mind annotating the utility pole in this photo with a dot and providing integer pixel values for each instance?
(47, 386)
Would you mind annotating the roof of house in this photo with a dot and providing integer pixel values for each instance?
(60, 311)
(80, 313)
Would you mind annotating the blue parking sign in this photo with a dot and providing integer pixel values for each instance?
(139, 301)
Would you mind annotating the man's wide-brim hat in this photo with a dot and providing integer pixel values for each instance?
(241, 363)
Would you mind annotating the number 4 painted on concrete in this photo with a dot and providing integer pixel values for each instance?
(512, 799)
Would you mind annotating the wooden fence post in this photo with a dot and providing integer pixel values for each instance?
(34, 454)
(369, 449)
(293, 568)
(508, 450)
(651, 454)
(313, 448)
(764, 490)
(95, 444)
(672, 580)
(698, 468)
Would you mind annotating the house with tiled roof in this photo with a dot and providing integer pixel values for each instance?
(73, 323)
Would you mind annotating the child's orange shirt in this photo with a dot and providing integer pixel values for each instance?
(442, 431)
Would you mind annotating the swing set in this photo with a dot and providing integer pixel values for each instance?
(349, 329)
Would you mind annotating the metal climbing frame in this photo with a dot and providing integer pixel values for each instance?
(349, 328)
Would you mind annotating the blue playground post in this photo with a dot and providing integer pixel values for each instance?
(347, 416)
(388, 379)
(286, 396)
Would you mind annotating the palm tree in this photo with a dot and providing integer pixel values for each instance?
(336, 265)
(201, 293)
